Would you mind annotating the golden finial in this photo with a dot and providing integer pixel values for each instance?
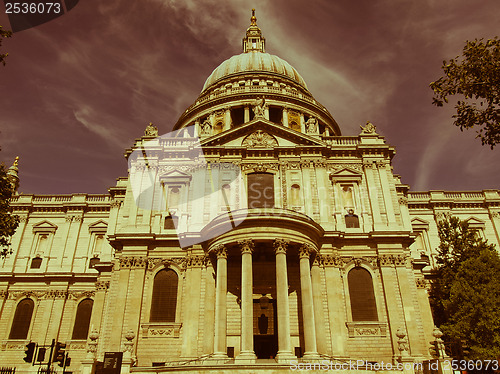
(16, 161)
(253, 20)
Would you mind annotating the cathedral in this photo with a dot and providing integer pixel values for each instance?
(252, 237)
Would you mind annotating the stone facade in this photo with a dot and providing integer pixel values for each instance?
(284, 283)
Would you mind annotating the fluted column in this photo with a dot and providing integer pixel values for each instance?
(311, 350)
(319, 316)
(209, 321)
(220, 349)
(284, 341)
(246, 352)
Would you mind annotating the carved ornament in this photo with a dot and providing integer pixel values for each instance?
(259, 139)
(390, 260)
(280, 246)
(247, 246)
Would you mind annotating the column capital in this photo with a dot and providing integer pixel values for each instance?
(247, 246)
(318, 260)
(280, 246)
(220, 250)
(305, 250)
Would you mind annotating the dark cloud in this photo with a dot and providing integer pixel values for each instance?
(78, 90)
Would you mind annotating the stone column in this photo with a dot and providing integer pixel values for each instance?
(336, 304)
(101, 287)
(227, 118)
(395, 313)
(285, 117)
(246, 117)
(246, 350)
(208, 332)
(319, 316)
(311, 350)
(192, 304)
(373, 195)
(220, 348)
(284, 342)
(386, 192)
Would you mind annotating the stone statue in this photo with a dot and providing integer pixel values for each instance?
(151, 130)
(369, 128)
(206, 127)
(259, 107)
(311, 125)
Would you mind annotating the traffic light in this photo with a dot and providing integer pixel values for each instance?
(41, 354)
(59, 353)
(29, 351)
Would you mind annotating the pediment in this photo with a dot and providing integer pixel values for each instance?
(175, 176)
(419, 223)
(475, 223)
(44, 226)
(346, 174)
(99, 226)
(260, 133)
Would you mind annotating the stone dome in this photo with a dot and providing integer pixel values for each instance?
(254, 61)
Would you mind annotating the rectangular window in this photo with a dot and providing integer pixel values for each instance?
(260, 190)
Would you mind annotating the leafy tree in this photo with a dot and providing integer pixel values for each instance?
(477, 78)
(4, 34)
(8, 221)
(465, 294)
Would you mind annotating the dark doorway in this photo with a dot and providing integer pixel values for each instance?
(265, 328)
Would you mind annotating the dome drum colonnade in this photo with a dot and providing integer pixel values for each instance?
(231, 91)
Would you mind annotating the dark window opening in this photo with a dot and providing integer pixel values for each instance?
(230, 352)
(82, 319)
(36, 263)
(351, 220)
(275, 115)
(22, 319)
(170, 222)
(164, 300)
(260, 190)
(298, 351)
(363, 305)
(238, 116)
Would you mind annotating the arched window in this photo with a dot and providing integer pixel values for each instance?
(260, 190)
(173, 197)
(295, 195)
(164, 300)
(363, 306)
(22, 319)
(82, 319)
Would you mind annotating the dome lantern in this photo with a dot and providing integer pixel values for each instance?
(253, 40)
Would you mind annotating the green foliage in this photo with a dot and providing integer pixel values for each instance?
(8, 221)
(465, 295)
(4, 34)
(477, 79)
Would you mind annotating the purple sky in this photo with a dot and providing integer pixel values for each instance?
(78, 90)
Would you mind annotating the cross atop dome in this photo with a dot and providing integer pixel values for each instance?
(253, 41)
